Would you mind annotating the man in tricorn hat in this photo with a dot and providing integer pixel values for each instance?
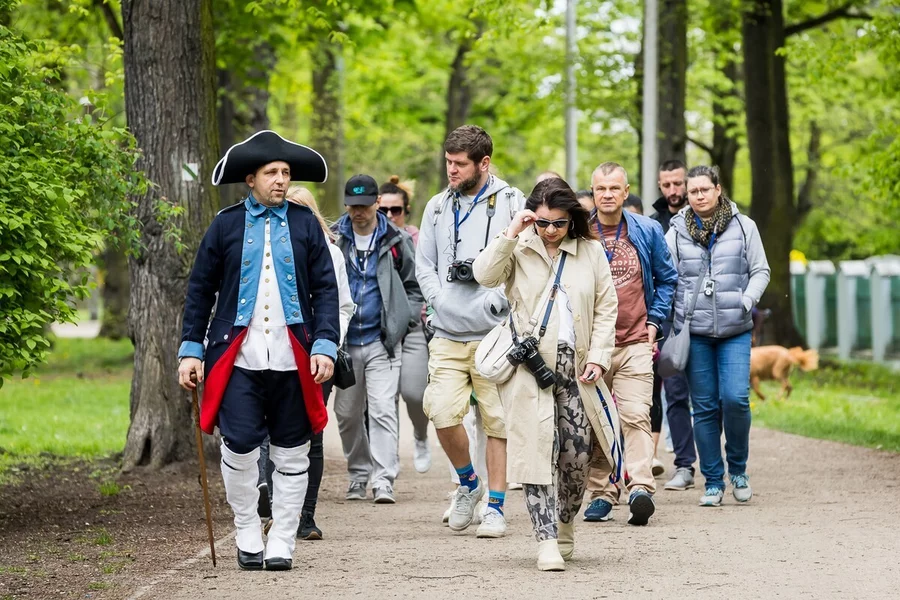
(272, 341)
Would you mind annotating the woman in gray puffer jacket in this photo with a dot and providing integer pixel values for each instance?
(712, 241)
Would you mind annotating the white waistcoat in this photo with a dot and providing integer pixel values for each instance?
(267, 345)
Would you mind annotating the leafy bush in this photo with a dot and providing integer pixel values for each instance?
(66, 182)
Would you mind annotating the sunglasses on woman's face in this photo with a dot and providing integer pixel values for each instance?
(559, 223)
(394, 210)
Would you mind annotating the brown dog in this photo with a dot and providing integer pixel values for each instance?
(776, 363)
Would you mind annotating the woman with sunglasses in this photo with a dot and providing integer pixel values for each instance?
(549, 431)
(395, 204)
(722, 273)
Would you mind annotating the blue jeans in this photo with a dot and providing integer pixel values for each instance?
(718, 373)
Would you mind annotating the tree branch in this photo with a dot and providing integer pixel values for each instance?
(842, 12)
(702, 146)
(111, 20)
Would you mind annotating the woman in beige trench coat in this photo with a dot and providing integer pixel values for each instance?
(549, 431)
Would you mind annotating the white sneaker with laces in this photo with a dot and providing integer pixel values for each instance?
(422, 456)
(493, 525)
(463, 512)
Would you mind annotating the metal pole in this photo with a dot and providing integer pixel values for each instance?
(571, 96)
(649, 138)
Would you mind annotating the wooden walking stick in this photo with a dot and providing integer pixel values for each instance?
(203, 481)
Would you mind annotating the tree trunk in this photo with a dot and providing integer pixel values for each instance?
(768, 128)
(327, 123)
(725, 144)
(225, 118)
(459, 94)
(257, 90)
(116, 289)
(170, 104)
(672, 77)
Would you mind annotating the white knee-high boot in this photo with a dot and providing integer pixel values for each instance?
(240, 474)
(289, 480)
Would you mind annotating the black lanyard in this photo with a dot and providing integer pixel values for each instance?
(553, 291)
(610, 254)
(362, 264)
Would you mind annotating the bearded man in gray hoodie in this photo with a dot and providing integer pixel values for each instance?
(457, 225)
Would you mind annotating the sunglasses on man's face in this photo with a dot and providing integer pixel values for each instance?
(394, 210)
(559, 223)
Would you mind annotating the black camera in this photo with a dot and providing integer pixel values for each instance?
(461, 270)
(526, 351)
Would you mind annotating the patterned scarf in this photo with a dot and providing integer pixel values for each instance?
(714, 224)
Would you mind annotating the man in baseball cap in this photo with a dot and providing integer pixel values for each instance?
(381, 267)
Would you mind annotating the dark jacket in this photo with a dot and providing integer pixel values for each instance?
(222, 268)
(662, 214)
(401, 298)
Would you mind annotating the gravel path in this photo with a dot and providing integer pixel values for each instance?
(822, 524)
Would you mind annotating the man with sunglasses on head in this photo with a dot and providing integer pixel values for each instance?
(645, 279)
(457, 225)
(381, 270)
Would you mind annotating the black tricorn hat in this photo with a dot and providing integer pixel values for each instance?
(264, 147)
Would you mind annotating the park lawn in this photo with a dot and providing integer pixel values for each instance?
(76, 406)
(855, 403)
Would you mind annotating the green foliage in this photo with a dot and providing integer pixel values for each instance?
(66, 180)
(839, 79)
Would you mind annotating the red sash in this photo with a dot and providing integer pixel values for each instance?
(217, 380)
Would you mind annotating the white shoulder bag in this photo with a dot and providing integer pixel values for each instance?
(490, 358)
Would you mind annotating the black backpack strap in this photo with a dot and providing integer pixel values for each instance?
(491, 211)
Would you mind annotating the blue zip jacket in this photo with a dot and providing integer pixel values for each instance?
(365, 326)
(657, 268)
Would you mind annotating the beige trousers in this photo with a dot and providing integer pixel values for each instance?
(630, 378)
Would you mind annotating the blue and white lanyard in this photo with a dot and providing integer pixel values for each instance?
(610, 253)
(456, 222)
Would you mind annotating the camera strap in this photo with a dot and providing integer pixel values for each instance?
(552, 297)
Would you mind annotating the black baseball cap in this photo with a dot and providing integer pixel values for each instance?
(361, 190)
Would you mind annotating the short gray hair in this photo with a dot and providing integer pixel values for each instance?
(608, 168)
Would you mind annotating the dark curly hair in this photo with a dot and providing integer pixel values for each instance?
(556, 194)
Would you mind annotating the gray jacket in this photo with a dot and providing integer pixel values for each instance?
(463, 311)
(737, 276)
(401, 298)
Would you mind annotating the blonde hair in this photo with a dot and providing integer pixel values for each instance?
(302, 196)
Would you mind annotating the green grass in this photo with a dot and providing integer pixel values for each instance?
(855, 403)
(75, 406)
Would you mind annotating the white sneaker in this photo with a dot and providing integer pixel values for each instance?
(658, 467)
(493, 525)
(463, 512)
(480, 510)
(422, 456)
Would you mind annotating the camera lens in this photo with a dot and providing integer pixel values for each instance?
(464, 272)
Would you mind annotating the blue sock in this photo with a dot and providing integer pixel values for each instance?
(495, 500)
(467, 477)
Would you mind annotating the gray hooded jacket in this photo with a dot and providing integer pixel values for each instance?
(463, 311)
(735, 271)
